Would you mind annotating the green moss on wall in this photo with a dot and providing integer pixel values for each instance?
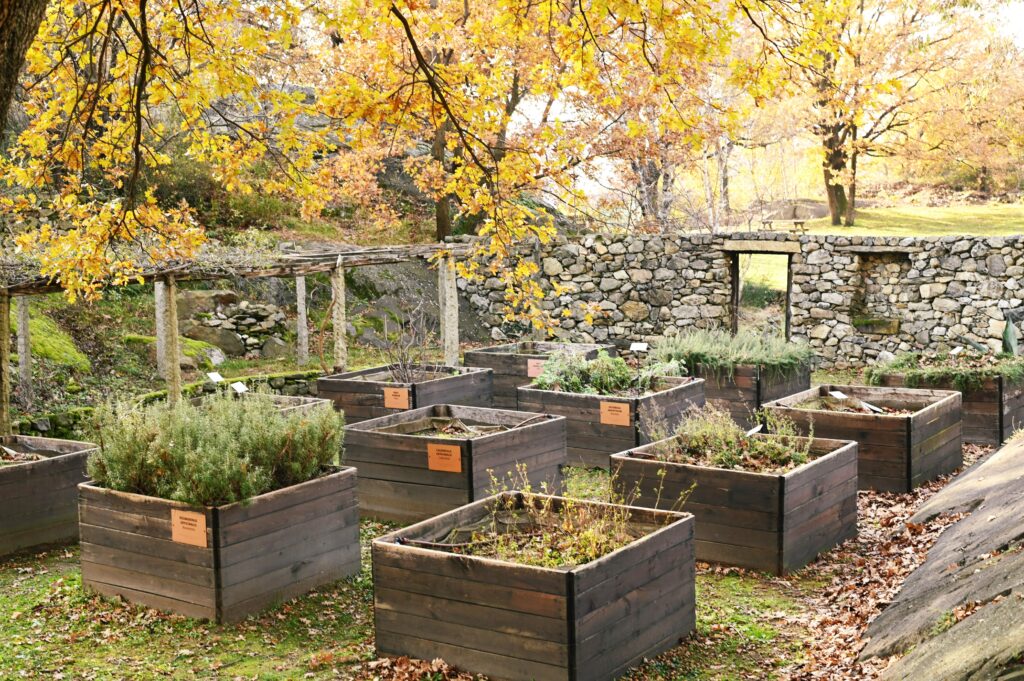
(50, 342)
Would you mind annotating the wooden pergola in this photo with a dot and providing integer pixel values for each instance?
(22, 280)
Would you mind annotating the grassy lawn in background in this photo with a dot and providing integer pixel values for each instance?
(986, 220)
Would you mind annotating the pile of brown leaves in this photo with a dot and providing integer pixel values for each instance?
(407, 669)
(863, 576)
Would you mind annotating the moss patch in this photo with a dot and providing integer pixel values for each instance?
(50, 342)
(196, 349)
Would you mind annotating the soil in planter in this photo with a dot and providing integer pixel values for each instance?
(851, 405)
(440, 427)
(543, 535)
(711, 438)
(16, 453)
(389, 376)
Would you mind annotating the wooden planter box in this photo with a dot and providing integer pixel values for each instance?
(371, 393)
(39, 499)
(508, 621)
(991, 412)
(407, 478)
(749, 387)
(220, 563)
(895, 453)
(516, 364)
(599, 425)
(765, 521)
(286, 404)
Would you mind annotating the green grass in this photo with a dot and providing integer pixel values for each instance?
(986, 220)
(49, 341)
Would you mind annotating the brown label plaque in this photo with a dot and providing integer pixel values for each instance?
(447, 458)
(615, 414)
(534, 367)
(188, 527)
(396, 398)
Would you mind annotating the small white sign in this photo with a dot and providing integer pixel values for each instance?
(756, 429)
(239, 387)
(872, 407)
(215, 377)
(957, 350)
(837, 394)
(638, 347)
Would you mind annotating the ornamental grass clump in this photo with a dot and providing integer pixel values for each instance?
(220, 452)
(603, 375)
(965, 370)
(721, 352)
(710, 437)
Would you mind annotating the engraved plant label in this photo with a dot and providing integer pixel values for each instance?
(446, 458)
(615, 414)
(188, 527)
(396, 398)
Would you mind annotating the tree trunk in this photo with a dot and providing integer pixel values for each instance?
(19, 23)
(442, 206)
(852, 198)
(648, 175)
(724, 206)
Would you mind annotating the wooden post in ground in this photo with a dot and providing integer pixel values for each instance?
(448, 302)
(24, 351)
(338, 317)
(301, 321)
(160, 298)
(172, 358)
(5, 363)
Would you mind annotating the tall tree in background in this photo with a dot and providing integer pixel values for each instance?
(865, 63)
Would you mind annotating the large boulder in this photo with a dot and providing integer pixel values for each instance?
(225, 339)
(958, 616)
(275, 348)
(191, 303)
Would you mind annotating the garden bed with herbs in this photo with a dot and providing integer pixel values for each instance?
(218, 510)
(610, 406)
(992, 387)
(530, 586)
(419, 463)
(384, 390)
(769, 502)
(516, 364)
(39, 480)
(286, 404)
(905, 437)
(742, 371)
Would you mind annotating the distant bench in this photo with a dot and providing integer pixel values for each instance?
(798, 225)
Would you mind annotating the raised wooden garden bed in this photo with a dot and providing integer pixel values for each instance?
(897, 451)
(749, 386)
(516, 364)
(992, 410)
(409, 471)
(512, 621)
(220, 563)
(775, 522)
(39, 498)
(600, 425)
(372, 393)
(286, 404)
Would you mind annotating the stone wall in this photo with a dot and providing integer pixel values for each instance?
(852, 298)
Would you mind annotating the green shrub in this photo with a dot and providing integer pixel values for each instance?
(222, 451)
(721, 351)
(603, 375)
(710, 437)
(966, 370)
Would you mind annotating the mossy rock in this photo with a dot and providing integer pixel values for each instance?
(50, 342)
(198, 351)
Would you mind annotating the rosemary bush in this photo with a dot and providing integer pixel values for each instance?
(722, 352)
(222, 451)
(710, 437)
(603, 375)
(964, 371)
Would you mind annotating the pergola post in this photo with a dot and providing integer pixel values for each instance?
(301, 321)
(5, 363)
(24, 351)
(172, 358)
(338, 318)
(448, 302)
(160, 298)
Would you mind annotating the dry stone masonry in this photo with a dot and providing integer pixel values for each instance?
(853, 298)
